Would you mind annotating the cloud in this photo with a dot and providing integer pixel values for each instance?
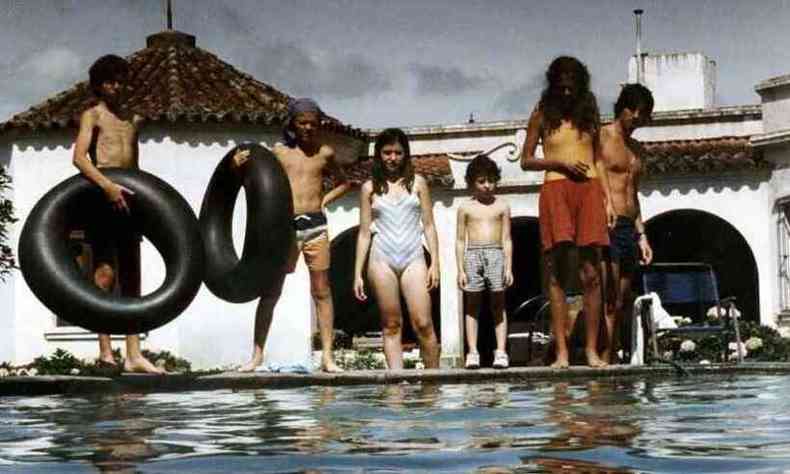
(297, 71)
(438, 80)
(42, 75)
(521, 99)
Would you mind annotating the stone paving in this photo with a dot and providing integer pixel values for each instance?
(51, 385)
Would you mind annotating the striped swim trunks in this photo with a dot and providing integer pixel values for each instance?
(484, 267)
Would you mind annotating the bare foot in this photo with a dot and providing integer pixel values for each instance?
(141, 365)
(329, 366)
(251, 365)
(594, 361)
(107, 360)
(606, 356)
(560, 364)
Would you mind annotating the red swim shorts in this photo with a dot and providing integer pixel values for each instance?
(572, 211)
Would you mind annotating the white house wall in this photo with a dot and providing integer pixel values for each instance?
(210, 332)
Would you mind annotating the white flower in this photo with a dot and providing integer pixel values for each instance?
(704, 362)
(784, 331)
(687, 320)
(161, 363)
(75, 371)
(733, 346)
(754, 343)
(4, 372)
(714, 311)
(688, 346)
(32, 371)
(668, 354)
(419, 366)
(734, 355)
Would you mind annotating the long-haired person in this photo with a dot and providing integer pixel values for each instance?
(395, 213)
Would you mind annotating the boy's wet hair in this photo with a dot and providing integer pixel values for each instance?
(633, 97)
(482, 165)
(391, 136)
(105, 69)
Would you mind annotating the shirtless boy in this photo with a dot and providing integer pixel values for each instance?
(116, 246)
(629, 245)
(574, 207)
(305, 160)
(484, 255)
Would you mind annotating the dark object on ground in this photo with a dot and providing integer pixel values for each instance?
(160, 214)
(269, 233)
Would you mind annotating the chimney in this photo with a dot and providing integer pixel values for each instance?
(640, 78)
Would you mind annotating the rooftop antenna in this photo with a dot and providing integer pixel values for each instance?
(168, 14)
(471, 117)
(639, 66)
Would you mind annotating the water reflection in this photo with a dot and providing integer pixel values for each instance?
(597, 427)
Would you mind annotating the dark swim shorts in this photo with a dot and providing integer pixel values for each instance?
(623, 244)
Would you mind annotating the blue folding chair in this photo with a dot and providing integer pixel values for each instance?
(688, 289)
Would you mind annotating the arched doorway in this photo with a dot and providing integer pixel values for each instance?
(688, 235)
(352, 316)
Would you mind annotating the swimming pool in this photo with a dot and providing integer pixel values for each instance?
(701, 424)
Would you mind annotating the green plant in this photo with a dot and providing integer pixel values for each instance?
(363, 360)
(766, 345)
(61, 362)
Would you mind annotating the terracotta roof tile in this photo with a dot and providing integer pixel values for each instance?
(173, 80)
(699, 156)
(435, 167)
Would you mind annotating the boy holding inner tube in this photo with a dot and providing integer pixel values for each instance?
(305, 160)
(107, 137)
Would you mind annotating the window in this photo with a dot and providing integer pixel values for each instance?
(783, 238)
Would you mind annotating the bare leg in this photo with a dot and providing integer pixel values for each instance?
(624, 309)
(590, 276)
(104, 278)
(129, 279)
(559, 312)
(263, 320)
(500, 319)
(322, 295)
(384, 284)
(135, 362)
(613, 302)
(414, 285)
(473, 299)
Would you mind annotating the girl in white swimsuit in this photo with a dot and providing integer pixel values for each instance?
(395, 213)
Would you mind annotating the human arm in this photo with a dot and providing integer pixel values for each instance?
(113, 191)
(429, 229)
(363, 238)
(342, 187)
(507, 245)
(460, 245)
(644, 245)
(603, 175)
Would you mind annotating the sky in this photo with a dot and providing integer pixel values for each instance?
(379, 63)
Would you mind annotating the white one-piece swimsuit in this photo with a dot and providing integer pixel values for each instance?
(397, 230)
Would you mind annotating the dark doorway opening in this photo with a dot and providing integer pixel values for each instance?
(696, 236)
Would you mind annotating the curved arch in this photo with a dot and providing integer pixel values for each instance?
(352, 316)
(683, 235)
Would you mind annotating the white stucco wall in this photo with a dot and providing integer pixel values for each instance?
(678, 80)
(775, 96)
(210, 332)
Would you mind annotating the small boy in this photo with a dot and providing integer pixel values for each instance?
(115, 244)
(484, 255)
(305, 160)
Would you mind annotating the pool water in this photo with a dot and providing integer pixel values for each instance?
(698, 424)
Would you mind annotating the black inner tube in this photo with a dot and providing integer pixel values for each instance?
(269, 231)
(161, 214)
